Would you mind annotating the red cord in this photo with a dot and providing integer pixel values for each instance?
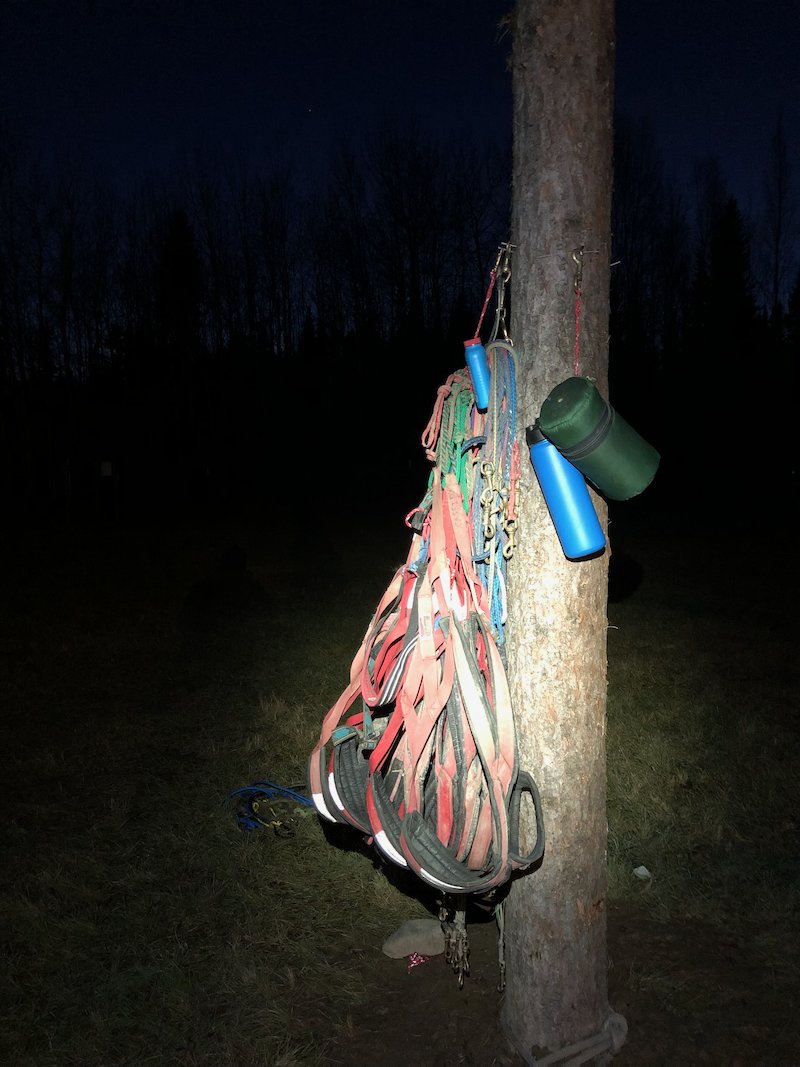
(492, 280)
(513, 482)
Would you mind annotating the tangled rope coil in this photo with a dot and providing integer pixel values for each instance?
(481, 450)
(495, 491)
(454, 432)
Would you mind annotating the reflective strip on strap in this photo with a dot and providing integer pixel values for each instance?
(388, 849)
(436, 882)
(395, 675)
(319, 804)
(335, 792)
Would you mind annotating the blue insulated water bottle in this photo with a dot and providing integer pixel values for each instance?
(567, 497)
(478, 366)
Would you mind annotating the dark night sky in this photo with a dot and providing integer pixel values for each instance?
(136, 84)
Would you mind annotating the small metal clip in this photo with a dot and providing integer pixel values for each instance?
(577, 258)
(510, 527)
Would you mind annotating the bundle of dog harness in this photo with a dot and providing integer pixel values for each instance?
(419, 751)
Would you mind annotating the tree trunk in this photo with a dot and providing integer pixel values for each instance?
(563, 64)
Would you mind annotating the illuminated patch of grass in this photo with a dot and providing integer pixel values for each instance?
(141, 924)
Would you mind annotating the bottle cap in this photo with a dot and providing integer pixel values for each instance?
(534, 435)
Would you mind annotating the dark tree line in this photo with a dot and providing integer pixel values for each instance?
(705, 335)
(200, 341)
(176, 346)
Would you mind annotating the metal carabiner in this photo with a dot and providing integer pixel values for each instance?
(504, 277)
(510, 528)
(508, 249)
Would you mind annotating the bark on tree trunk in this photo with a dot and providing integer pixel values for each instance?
(563, 65)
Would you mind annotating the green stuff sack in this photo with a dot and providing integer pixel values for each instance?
(594, 438)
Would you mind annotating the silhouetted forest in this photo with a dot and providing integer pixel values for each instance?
(268, 338)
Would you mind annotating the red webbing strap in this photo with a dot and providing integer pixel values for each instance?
(425, 701)
(445, 766)
(458, 381)
(440, 779)
(318, 772)
(390, 633)
(490, 859)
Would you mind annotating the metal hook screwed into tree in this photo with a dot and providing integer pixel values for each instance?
(500, 330)
(577, 258)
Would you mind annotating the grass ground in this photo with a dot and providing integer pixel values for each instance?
(145, 674)
(142, 684)
(702, 730)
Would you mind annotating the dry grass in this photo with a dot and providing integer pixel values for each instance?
(702, 729)
(142, 926)
(140, 923)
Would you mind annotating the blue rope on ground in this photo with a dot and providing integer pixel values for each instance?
(247, 816)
